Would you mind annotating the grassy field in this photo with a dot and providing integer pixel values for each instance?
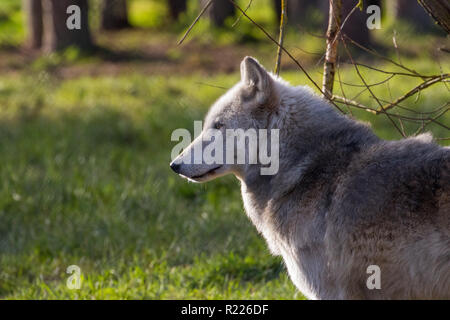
(84, 178)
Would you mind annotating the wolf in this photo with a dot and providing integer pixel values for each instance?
(343, 199)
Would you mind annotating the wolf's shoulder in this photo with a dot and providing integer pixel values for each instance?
(402, 156)
(409, 178)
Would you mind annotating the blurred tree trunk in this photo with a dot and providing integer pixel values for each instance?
(34, 23)
(114, 15)
(410, 11)
(375, 2)
(176, 7)
(219, 10)
(57, 35)
(296, 9)
(439, 11)
(355, 27)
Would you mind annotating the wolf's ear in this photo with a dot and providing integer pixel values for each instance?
(253, 74)
(257, 79)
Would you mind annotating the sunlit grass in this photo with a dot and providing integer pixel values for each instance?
(85, 181)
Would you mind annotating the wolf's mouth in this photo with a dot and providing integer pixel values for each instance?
(206, 173)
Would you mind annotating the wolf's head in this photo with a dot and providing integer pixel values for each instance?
(241, 131)
(238, 116)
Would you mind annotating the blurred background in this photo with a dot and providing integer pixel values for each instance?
(86, 119)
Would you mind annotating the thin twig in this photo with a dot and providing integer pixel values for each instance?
(370, 90)
(363, 86)
(211, 85)
(281, 36)
(428, 80)
(194, 23)
(239, 18)
(402, 127)
(342, 88)
(381, 56)
(431, 120)
(392, 72)
(358, 105)
(314, 35)
(308, 52)
(353, 103)
(394, 41)
(416, 89)
(285, 51)
(417, 112)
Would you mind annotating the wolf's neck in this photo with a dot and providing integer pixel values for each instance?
(315, 144)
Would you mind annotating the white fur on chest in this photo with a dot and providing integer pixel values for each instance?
(304, 268)
(258, 221)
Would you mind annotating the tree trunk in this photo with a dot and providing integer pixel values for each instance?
(439, 11)
(34, 23)
(57, 35)
(176, 7)
(329, 66)
(114, 15)
(219, 10)
(355, 27)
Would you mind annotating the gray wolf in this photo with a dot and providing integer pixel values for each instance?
(343, 199)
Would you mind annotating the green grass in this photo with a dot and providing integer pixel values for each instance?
(85, 181)
(84, 176)
(11, 23)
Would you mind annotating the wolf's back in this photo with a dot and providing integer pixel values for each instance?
(397, 181)
(394, 211)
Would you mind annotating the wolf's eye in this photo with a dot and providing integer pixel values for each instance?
(218, 125)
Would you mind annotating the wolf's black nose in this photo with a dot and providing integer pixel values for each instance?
(175, 167)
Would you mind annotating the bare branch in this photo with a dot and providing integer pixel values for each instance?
(369, 85)
(330, 68)
(392, 72)
(420, 87)
(358, 105)
(415, 111)
(342, 88)
(239, 18)
(381, 56)
(194, 23)
(370, 90)
(434, 119)
(353, 103)
(281, 37)
(285, 51)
